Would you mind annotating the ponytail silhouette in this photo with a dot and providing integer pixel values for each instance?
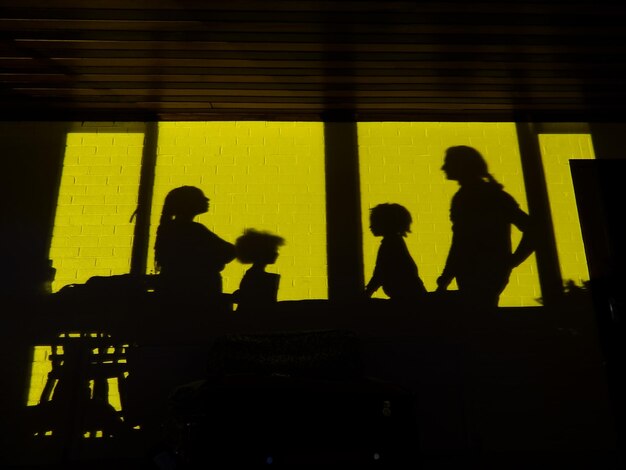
(481, 257)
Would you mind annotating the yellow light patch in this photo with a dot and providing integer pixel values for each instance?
(114, 395)
(401, 163)
(262, 175)
(40, 369)
(556, 151)
(92, 233)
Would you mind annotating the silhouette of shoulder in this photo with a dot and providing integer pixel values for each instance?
(483, 201)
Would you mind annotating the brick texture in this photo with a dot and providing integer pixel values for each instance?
(97, 196)
(401, 163)
(556, 151)
(263, 175)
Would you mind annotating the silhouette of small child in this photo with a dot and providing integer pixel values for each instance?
(258, 288)
(395, 270)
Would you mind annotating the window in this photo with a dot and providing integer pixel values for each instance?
(401, 163)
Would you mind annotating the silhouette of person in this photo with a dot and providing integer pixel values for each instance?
(189, 257)
(481, 257)
(395, 270)
(258, 288)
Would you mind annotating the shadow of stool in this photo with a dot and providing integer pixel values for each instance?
(87, 378)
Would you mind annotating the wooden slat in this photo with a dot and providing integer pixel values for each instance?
(173, 58)
(354, 96)
(373, 6)
(261, 14)
(291, 80)
(578, 36)
(320, 65)
(269, 88)
(264, 113)
(207, 94)
(71, 46)
(319, 107)
(476, 106)
(212, 27)
(356, 22)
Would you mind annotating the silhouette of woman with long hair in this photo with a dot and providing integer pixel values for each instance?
(258, 289)
(481, 256)
(189, 257)
(395, 270)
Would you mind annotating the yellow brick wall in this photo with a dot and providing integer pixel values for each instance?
(270, 175)
(263, 175)
(556, 152)
(41, 366)
(92, 234)
(401, 163)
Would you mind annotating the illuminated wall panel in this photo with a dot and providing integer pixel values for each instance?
(41, 367)
(263, 175)
(556, 152)
(92, 233)
(401, 163)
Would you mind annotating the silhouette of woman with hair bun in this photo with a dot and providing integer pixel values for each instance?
(481, 256)
(189, 257)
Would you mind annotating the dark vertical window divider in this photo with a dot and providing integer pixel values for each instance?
(139, 257)
(550, 278)
(343, 212)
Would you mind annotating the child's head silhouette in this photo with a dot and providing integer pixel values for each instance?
(390, 219)
(258, 247)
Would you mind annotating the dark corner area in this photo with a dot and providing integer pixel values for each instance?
(312, 234)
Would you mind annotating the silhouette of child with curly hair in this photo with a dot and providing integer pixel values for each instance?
(258, 288)
(395, 270)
